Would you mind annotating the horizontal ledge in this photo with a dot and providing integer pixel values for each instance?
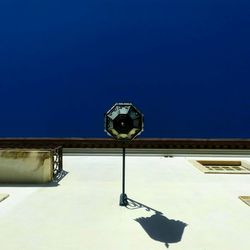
(144, 143)
(156, 152)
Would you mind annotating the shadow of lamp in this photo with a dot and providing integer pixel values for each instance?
(157, 226)
(123, 122)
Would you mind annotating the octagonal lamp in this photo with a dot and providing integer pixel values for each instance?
(123, 121)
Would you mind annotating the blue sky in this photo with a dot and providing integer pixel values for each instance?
(185, 65)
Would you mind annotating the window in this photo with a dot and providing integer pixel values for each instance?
(222, 167)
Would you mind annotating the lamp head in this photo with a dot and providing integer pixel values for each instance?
(123, 121)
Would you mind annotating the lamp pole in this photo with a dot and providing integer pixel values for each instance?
(123, 196)
(123, 122)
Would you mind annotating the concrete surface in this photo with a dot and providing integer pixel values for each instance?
(183, 208)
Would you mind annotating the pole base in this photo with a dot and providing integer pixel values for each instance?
(123, 200)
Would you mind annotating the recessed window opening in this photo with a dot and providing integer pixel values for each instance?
(222, 167)
(245, 199)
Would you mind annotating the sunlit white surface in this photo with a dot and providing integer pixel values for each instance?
(83, 212)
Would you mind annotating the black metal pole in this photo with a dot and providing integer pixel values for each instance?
(123, 170)
(123, 196)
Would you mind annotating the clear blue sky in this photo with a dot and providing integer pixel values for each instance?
(184, 64)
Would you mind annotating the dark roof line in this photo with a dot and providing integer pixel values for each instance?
(160, 143)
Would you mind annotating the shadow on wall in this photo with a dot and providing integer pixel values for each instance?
(157, 226)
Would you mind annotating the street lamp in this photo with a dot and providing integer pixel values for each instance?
(123, 122)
